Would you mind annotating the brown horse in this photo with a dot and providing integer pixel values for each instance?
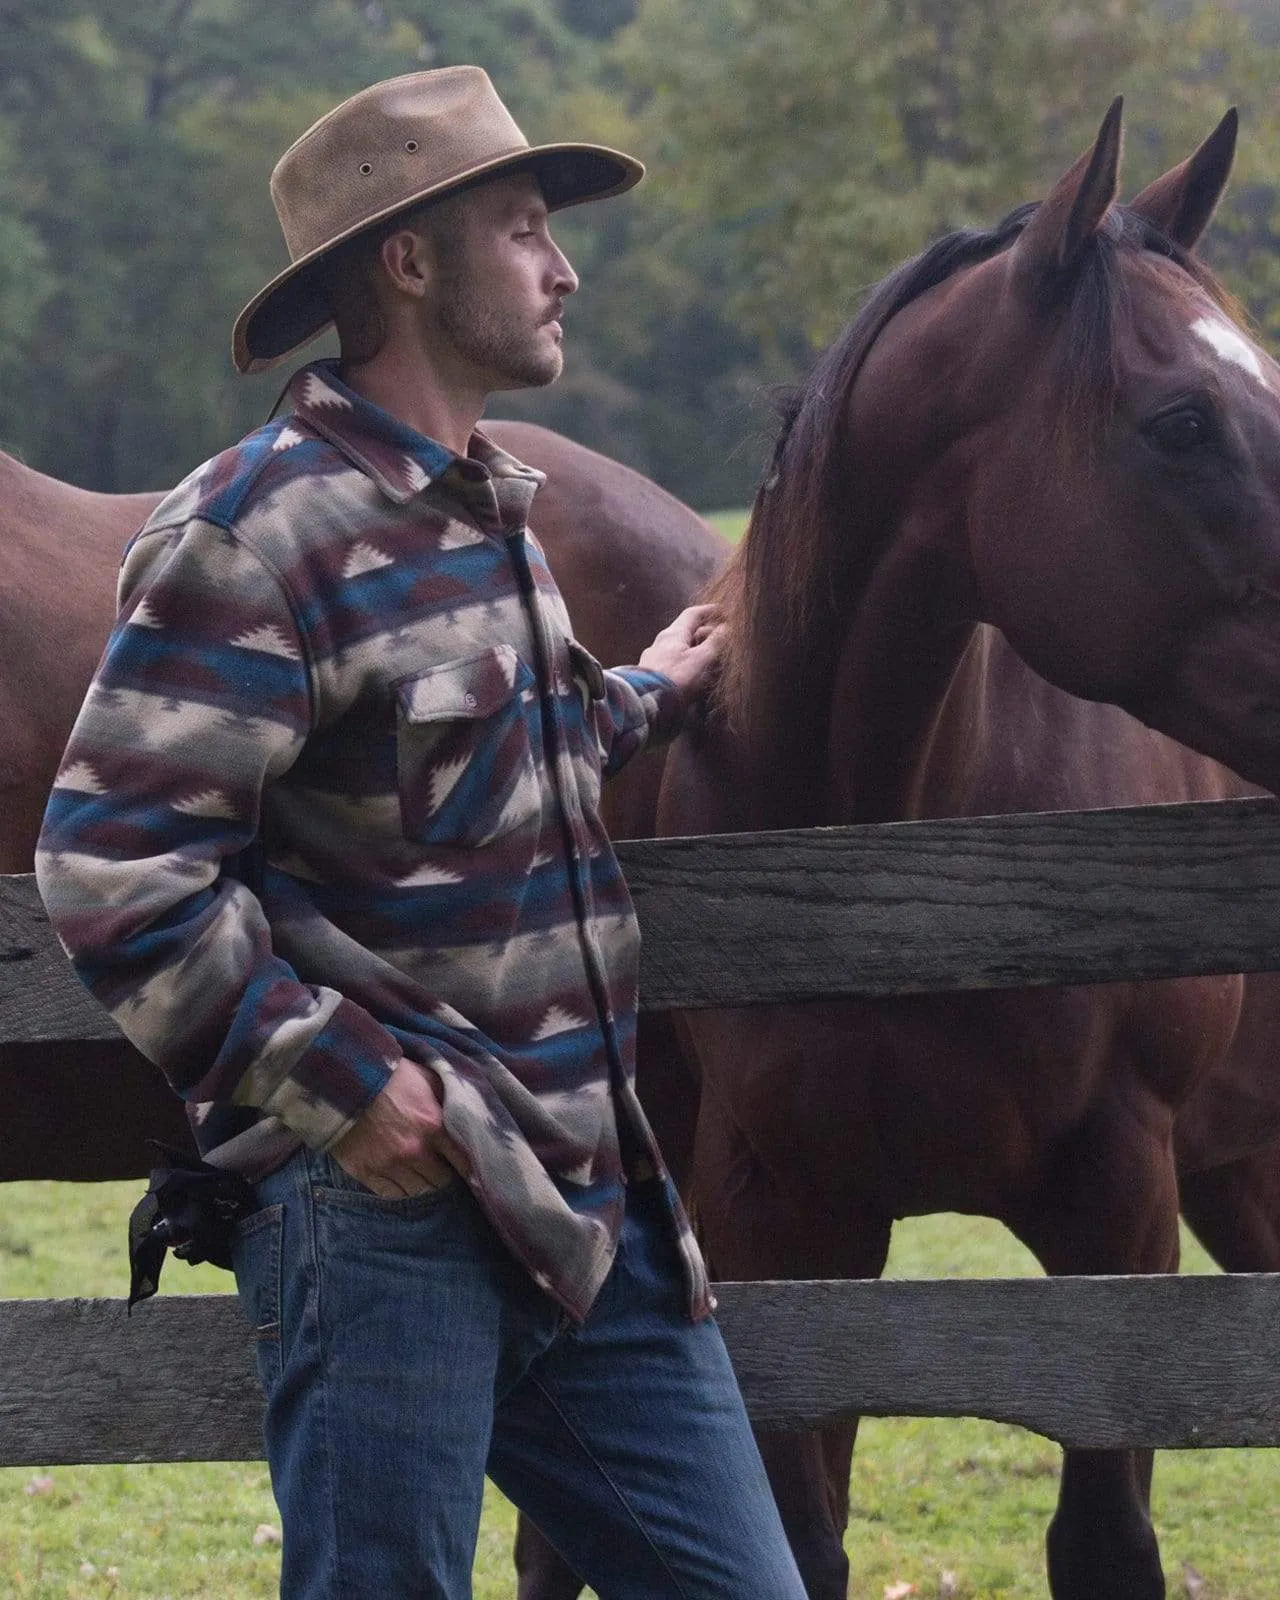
(1021, 532)
(627, 555)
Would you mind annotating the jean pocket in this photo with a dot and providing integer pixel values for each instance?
(333, 1185)
(464, 756)
(256, 1257)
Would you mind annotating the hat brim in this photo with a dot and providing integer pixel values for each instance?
(291, 310)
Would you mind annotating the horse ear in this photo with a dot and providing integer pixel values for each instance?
(1050, 246)
(1182, 203)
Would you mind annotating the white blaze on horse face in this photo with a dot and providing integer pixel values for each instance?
(1231, 345)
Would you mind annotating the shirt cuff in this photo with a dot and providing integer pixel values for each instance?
(664, 704)
(346, 1065)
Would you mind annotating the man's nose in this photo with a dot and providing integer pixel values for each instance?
(564, 278)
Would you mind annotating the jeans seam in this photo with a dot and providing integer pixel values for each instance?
(312, 1299)
(605, 1474)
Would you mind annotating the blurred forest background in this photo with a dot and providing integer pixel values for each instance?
(797, 149)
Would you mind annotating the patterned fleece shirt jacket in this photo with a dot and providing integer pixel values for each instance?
(332, 801)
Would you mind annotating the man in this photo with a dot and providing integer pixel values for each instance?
(326, 842)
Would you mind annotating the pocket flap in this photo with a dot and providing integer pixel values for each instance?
(586, 669)
(474, 686)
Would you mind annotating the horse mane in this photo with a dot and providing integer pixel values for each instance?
(800, 547)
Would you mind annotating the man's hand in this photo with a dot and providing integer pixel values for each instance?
(398, 1146)
(688, 650)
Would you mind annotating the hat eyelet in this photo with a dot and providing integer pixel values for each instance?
(366, 167)
(411, 145)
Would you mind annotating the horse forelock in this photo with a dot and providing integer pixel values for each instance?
(801, 553)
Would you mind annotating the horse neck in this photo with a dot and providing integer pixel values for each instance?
(832, 717)
(910, 674)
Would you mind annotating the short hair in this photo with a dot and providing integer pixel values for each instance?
(348, 274)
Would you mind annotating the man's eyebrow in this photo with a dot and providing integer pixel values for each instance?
(527, 205)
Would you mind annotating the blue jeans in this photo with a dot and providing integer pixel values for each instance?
(404, 1353)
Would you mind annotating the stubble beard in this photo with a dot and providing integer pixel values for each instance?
(496, 340)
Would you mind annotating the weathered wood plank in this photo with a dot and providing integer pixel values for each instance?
(904, 908)
(973, 903)
(1098, 1363)
(1092, 1362)
(40, 997)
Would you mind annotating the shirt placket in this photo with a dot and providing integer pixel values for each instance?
(556, 743)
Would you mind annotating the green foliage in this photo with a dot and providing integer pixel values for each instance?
(828, 142)
(798, 149)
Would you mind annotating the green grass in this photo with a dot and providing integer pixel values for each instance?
(929, 1497)
(730, 523)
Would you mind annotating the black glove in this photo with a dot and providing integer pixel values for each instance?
(190, 1208)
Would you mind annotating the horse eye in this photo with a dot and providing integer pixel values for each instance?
(1179, 432)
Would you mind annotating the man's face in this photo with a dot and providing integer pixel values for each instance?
(501, 284)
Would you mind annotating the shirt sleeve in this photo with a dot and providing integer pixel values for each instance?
(639, 708)
(203, 697)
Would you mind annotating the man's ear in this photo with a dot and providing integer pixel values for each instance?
(406, 259)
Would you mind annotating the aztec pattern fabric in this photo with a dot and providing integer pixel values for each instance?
(332, 801)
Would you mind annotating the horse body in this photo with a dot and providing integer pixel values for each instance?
(1021, 534)
(62, 550)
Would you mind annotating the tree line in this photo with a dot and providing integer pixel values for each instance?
(798, 149)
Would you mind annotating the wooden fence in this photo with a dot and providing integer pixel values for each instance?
(735, 920)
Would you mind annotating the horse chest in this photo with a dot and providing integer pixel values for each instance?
(957, 1102)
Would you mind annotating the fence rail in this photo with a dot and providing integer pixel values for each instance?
(905, 908)
(1097, 1363)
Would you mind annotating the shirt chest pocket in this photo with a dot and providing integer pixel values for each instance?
(588, 680)
(464, 757)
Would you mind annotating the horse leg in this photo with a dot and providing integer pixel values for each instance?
(755, 1229)
(1234, 1211)
(541, 1571)
(1113, 1210)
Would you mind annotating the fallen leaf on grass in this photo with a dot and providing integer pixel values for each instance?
(948, 1586)
(42, 1483)
(899, 1591)
(1193, 1582)
(264, 1533)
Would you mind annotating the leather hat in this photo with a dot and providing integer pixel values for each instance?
(388, 149)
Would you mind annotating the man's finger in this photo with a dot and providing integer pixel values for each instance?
(380, 1183)
(454, 1154)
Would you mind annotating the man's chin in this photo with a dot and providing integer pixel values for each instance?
(532, 375)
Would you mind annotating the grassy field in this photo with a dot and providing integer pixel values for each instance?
(730, 523)
(964, 1499)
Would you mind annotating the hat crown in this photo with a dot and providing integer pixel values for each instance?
(385, 145)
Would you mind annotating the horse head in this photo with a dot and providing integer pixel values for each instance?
(1103, 446)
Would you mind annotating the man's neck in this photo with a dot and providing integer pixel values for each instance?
(443, 406)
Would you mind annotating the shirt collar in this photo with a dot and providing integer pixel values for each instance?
(493, 485)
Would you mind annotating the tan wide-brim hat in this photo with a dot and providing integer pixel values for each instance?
(388, 149)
